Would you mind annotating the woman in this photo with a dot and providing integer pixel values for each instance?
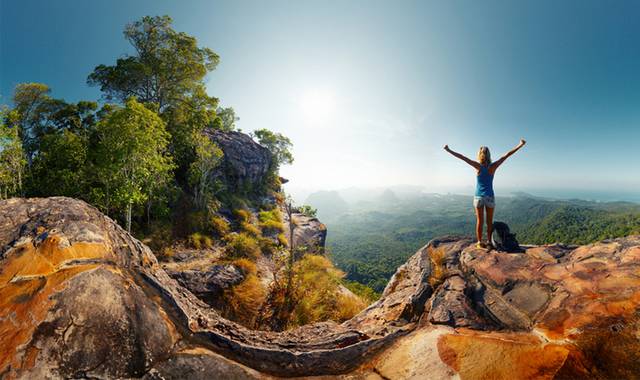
(484, 197)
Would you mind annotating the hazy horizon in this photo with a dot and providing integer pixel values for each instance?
(300, 194)
(370, 91)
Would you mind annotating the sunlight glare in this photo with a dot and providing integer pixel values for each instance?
(317, 105)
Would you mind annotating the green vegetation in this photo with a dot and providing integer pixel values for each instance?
(308, 211)
(219, 226)
(130, 157)
(12, 160)
(200, 241)
(143, 157)
(362, 291)
(242, 245)
(370, 244)
(307, 292)
(271, 222)
(243, 301)
(146, 158)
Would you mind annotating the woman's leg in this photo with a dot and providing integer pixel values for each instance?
(489, 222)
(479, 221)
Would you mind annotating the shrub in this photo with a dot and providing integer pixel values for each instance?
(347, 306)
(245, 265)
(219, 226)
(317, 283)
(271, 227)
(282, 240)
(438, 271)
(267, 246)
(197, 221)
(250, 229)
(166, 253)
(272, 215)
(308, 211)
(242, 215)
(159, 237)
(199, 241)
(242, 245)
(244, 300)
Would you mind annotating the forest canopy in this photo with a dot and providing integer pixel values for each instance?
(140, 151)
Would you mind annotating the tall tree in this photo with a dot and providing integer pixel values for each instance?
(59, 166)
(168, 71)
(12, 158)
(36, 115)
(168, 66)
(208, 157)
(131, 151)
(31, 103)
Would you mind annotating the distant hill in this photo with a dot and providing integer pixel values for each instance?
(389, 197)
(330, 204)
(370, 243)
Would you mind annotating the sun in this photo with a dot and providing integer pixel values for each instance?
(317, 105)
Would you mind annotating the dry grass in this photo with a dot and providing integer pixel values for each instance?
(245, 299)
(271, 227)
(242, 245)
(249, 228)
(200, 241)
(282, 240)
(348, 306)
(242, 215)
(437, 256)
(219, 226)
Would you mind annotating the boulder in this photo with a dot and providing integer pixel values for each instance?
(209, 284)
(245, 162)
(309, 232)
(81, 298)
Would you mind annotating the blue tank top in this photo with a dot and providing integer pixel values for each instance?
(484, 184)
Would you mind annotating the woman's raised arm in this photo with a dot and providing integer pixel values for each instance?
(462, 157)
(508, 154)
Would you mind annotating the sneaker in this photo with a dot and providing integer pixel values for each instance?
(480, 244)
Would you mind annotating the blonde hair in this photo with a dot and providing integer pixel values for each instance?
(484, 156)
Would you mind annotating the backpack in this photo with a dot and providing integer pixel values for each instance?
(503, 239)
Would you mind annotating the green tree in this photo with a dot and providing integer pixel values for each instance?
(208, 157)
(225, 119)
(166, 73)
(278, 144)
(168, 66)
(59, 166)
(31, 105)
(12, 159)
(131, 151)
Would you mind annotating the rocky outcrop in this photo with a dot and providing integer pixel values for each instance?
(309, 233)
(551, 312)
(210, 284)
(245, 162)
(81, 298)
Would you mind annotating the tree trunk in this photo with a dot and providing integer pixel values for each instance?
(148, 213)
(129, 217)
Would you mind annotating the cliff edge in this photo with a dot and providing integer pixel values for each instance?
(82, 298)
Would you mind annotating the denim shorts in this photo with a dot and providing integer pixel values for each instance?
(486, 201)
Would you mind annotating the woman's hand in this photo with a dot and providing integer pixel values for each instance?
(446, 147)
(522, 142)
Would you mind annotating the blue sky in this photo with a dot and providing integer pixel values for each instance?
(370, 91)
